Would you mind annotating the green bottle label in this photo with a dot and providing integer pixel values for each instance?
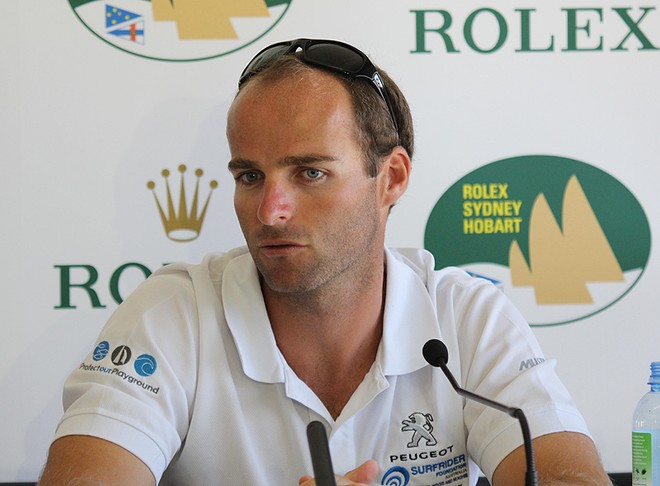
(642, 459)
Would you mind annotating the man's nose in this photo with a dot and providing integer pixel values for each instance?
(276, 204)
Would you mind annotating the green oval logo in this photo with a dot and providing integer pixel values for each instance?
(180, 30)
(561, 238)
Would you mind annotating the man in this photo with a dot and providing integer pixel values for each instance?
(317, 321)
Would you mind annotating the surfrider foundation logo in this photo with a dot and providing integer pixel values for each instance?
(563, 239)
(180, 30)
(182, 221)
(396, 476)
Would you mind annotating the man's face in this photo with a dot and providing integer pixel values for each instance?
(308, 210)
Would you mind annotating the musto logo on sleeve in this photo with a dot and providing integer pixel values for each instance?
(563, 239)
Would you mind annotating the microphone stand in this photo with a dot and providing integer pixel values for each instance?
(436, 354)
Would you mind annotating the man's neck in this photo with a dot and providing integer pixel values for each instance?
(330, 336)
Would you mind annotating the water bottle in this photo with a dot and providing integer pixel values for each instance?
(646, 434)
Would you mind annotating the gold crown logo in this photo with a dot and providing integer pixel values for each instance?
(180, 224)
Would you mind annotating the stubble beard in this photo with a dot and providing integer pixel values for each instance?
(347, 262)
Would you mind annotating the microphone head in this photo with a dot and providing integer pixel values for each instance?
(435, 352)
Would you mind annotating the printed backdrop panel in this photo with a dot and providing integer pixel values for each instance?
(536, 167)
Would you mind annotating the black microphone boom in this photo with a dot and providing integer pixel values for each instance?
(320, 452)
(436, 354)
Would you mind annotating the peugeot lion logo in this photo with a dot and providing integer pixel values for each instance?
(420, 425)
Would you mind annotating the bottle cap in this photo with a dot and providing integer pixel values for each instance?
(654, 379)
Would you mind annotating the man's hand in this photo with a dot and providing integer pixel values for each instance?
(364, 475)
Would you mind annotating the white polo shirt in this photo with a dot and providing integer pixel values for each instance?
(187, 376)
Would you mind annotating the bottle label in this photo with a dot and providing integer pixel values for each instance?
(642, 459)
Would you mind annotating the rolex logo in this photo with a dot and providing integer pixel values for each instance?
(562, 238)
(180, 223)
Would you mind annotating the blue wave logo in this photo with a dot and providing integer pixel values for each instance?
(101, 350)
(145, 365)
(396, 476)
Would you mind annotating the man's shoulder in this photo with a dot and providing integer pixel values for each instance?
(453, 286)
(213, 263)
(190, 279)
(422, 262)
(217, 262)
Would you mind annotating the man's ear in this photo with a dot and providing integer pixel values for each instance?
(396, 174)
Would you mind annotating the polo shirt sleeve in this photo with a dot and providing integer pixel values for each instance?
(136, 386)
(500, 358)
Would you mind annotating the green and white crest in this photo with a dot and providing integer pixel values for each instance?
(180, 30)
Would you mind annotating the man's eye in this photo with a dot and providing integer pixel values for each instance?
(248, 177)
(313, 173)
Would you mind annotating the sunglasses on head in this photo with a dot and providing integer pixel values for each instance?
(327, 54)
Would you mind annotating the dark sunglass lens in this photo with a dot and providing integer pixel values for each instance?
(261, 60)
(335, 56)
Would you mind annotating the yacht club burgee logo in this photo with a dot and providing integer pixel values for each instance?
(180, 30)
(563, 239)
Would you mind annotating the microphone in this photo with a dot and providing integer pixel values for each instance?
(320, 452)
(436, 354)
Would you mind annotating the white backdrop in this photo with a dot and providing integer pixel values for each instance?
(85, 125)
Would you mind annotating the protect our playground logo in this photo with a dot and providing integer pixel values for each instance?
(180, 30)
(563, 239)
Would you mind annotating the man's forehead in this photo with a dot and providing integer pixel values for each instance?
(309, 83)
(317, 93)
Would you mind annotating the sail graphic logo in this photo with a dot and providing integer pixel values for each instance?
(180, 30)
(563, 239)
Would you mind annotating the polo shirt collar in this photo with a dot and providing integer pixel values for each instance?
(245, 312)
(410, 317)
(409, 320)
